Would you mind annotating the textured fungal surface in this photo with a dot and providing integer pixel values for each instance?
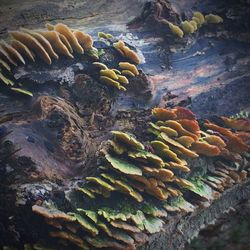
(123, 124)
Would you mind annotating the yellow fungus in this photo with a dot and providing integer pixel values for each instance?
(211, 18)
(117, 71)
(129, 66)
(128, 73)
(109, 73)
(187, 27)
(5, 65)
(200, 16)
(49, 26)
(197, 20)
(194, 24)
(6, 57)
(175, 30)
(122, 79)
(100, 65)
(5, 80)
(110, 81)
(104, 35)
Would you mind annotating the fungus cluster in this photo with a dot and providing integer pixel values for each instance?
(139, 183)
(28, 45)
(114, 77)
(48, 45)
(190, 26)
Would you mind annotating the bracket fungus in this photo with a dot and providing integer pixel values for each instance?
(43, 41)
(65, 30)
(211, 18)
(85, 40)
(23, 49)
(59, 40)
(13, 53)
(54, 38)
(32, 43)
(135, 174)
(128, 66)
(175, 30)
(187, 27)
(126, 51)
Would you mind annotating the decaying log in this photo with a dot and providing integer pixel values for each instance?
(53, 141)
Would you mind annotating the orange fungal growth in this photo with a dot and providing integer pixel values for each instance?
(190, 125)
(64, 30)
(184, 113)
(23, 49)
(32, 43)
(44, 42)
(66, 42)
(234, 143)
(163, 114)
(4, 55)
(215, 140)
(13, 53)
(185, 140)
(237, 124)
(85, 40)
(54, 39)
(126, 51)
(205, 149)
(180, 130)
